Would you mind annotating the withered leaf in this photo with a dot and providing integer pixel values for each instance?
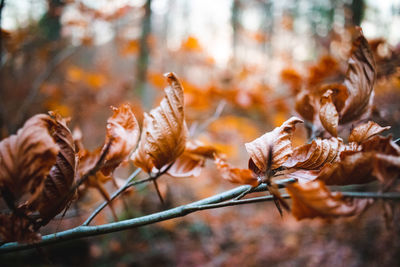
(328, 114)
(192, 160)
(365, 131)
(313, 199)
(235, 175)
(123, 132)
(17, 228)
(164, 132)
(305, 105)
(357, 167)
(278, 140)
(315, 155)
(26, 158)
(56, 191)
(359, 81)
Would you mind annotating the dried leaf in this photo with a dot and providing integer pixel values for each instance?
(315, 155)
(26, 158)
(359, 81)
(305, 105)
(54, 196)
(357, 167)
(192, 160)
(17, 228)
(328, 114)
(278, 140)
(365, 131)
(313, 199)
(164, 130)
(235, 175)
(123, 132)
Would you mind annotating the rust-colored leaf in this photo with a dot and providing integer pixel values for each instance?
(315, 155)
(365, 131)
(313, 199)
(123, 132)
(328, 114)
(305, 105)
(56, 191)
(17, 228)
(359, 81)
(26, 158)
(164, 130)
(192, 160)
(278, 140)
(303, 176)
(357, 167)
(235, 175)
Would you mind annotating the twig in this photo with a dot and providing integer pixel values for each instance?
(158, 192)
(208, 203)
(113, 196)
(199, 128)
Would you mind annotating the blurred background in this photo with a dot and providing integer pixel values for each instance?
(247, 59)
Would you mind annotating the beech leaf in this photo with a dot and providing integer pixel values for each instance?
(27, 157)
(365, 131)
(278, 140)
(313, 199)
(54, 196)
(315, 155)
(328, 114)
(192, 160)
(164, 132)
(123, 132)
(235, 175)
(359, 81)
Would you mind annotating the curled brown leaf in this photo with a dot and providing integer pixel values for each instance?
(313, 199)
(192, 160)
(235, 175)
(56, 191)
(366, 130)
(328, 114)
(27, 157)
(359, 81)
(164, 130)
(315, 155)
(123, 133)
(278, 140)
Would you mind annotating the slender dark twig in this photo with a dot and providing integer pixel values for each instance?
(113, 196)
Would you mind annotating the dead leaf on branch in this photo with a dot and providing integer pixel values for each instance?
(17, 228)
(123, 130)
(364, 131)
(164, 132)
(358, 167)
(235, 175)
(313, 199)
(328, 114)
(319, 152)
(192, 160)
(278, 140)
(27, 157)
(55, 194)
(359, 81)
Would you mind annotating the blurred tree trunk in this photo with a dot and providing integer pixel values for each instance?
(2, 2)
(235, 22)
(143, 58)
(357, 8)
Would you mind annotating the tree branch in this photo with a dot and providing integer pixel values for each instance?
(215, 201)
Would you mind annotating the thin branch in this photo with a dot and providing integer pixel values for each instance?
(113, 196)
(208, 203)
(196, 129)
(158, 192)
